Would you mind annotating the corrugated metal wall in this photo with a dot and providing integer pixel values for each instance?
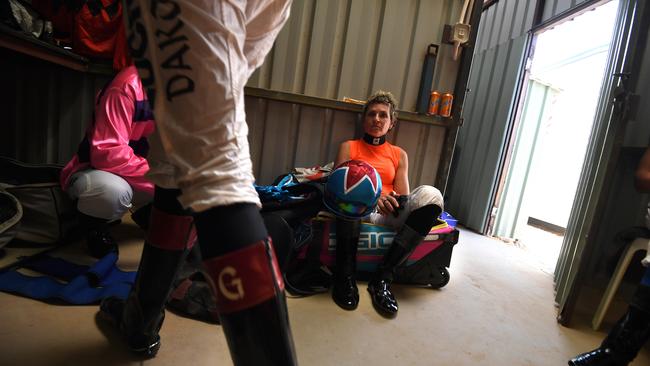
(606, 203)
(500, 47)
(638, 130)
(47, 108)
(553, 8)
(624, 206)
(284, 135)
(328, 49)
(350, 48)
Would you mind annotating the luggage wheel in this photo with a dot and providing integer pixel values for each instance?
(440, 277)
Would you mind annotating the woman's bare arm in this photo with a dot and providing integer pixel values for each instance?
(343, 154)
(642, 176)
(401, 182)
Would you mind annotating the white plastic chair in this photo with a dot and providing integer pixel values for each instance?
(623, 263)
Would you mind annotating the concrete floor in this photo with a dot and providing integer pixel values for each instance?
(497, 310)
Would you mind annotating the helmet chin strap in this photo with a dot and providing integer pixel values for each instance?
(374, 140)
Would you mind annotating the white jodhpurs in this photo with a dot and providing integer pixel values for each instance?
(194, 58)
(419, 197)
(104, 195)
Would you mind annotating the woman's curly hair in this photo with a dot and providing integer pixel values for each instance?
(384, 97)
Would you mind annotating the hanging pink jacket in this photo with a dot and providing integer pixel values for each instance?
(116, 141)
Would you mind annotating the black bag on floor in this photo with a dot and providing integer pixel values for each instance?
(48, 214)
(287, 209)
(10, 214)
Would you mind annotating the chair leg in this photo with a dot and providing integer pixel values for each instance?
(617, 277)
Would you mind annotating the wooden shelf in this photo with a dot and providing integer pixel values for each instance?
(27, 44)
(342, 106)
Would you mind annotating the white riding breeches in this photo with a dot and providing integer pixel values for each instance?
(194, 58)
(104, 195)
(419, 197)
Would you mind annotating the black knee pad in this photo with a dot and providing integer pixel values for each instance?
(225, 229)
(167, 200)
(423, 218)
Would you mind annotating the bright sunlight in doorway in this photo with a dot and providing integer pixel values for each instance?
(559, 98)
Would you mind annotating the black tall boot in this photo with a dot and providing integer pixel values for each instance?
(252, 306)
(142, 216)
(624, 341)
(140, 317)
(344, 287)
(98, 237)
(379, 286)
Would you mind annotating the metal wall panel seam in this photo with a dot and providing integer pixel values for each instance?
(529, 8)
(422, 145)
(508, 20)
(519, 18)
(562, 5)
(409, 54)
(339, 71)
(296, 113)
(457, 177)
(338, 48)
(555, 19)
(548, 9)
(530, 16)
(329, 121)
(475, 132)
(491, 138)
(376, 48)
(447, 69)
(308, 23)
(359, 50)
(487, 30)
(500, 13)
(504, 93)
(440, 72)
(479, 37)
(308, 46)
(392, 56)
(321, 50)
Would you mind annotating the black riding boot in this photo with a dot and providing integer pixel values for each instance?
(252, 306)
(142, 216)
(627, 337)
(140, 317)
(98, 237)
(344, 288)
(379, 286)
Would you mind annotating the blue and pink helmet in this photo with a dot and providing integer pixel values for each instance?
(352, 189)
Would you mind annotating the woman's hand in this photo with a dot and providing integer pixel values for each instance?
(388, 204)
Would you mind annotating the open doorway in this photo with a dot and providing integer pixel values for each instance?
(554, 120)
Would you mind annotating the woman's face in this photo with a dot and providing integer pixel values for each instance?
(377, 121)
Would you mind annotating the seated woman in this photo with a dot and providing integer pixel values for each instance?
(106, 176)
(410, 213)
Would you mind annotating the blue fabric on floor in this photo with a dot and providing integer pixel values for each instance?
(70, 282)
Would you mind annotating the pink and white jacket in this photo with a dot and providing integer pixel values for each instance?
(116, 141)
